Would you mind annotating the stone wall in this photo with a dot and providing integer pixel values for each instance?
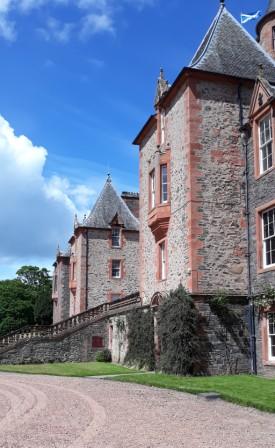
(206, 237)
(226, 331)
(100, 282)
(61, 302)
(219, 170)
(76, 346)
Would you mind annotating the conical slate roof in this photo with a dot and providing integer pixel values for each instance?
(229, 49)
(108, 205)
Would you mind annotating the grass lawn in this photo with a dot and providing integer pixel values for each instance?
(79, 369)
(243, 389)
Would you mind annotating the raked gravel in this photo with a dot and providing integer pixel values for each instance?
(55, 412)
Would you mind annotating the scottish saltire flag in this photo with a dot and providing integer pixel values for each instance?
(252, 16)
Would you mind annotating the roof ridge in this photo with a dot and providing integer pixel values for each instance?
(214, 24)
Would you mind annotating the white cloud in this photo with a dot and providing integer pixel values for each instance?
(36, 212)
(95, 24)
(96, 16)
(55, 30)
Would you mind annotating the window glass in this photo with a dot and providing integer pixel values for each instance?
(163, 184)
(266, 144)
(116, 264)
(116, 237)
(153, 188)
(269, 237)
(273, 37)
(162, 261)
(271, 334)
(115, 297)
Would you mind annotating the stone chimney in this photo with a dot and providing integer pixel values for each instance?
(132, 201)
(266, 29)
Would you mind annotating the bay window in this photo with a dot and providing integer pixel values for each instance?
(163, 184)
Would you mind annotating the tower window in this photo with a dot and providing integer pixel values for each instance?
(162, 260)
(116, 237)
(273, 37)
(163, 184)
(266, 143)
(116, 268)
(152, 189)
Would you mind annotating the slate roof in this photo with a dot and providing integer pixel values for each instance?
(229, 49)
(108, 205)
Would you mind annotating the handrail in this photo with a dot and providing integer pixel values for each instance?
(50, 331)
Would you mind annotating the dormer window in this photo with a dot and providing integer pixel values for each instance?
(116, 237)
(265, 129)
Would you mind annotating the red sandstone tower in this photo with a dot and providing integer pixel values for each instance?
(266, 29)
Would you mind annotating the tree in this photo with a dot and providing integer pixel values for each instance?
(39, 284)
(16, 308)
(184, 349)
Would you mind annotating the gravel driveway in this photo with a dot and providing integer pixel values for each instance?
(52, 412)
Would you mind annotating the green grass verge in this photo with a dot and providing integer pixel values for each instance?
(80, 369)
(244, 390)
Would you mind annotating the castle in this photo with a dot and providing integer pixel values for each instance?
(206, 212)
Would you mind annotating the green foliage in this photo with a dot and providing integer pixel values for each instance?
(16, 308)
(104, 356)
(140, 339)
(266, 298)
(25, 300)
(184, 348)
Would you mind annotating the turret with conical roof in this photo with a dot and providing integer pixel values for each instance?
(266, 29)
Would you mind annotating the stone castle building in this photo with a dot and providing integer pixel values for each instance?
(206, 211)
(101, 264)
(207, 179)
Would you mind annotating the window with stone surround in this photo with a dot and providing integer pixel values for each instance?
(116, 237)
(152, 180)
(162, 260)
(163, 184)
(271, 335)
(116, 268)
(273, 37)
(268, 232)
(162, 127)
(265, 137)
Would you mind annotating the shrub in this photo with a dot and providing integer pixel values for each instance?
(140, 339)
(104, 356)
(184, 348)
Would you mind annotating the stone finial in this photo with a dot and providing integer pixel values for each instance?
(162, 86)
(222, 2)
(260, 71)
(76, 223)
(58, 250)
(109, 179)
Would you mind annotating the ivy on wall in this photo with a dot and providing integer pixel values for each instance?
(140, 339)
(184, 346)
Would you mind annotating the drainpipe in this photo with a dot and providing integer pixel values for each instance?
(245, 134)
(87, 265)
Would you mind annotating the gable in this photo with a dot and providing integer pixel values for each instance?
(262, 94)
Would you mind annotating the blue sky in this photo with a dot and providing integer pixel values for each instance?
(78, 79)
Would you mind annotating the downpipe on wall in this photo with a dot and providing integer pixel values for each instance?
(245, 135)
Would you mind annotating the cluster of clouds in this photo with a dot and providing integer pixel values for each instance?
(37, 211)
(94, 16)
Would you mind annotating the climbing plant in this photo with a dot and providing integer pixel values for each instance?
(140, 339)
(184, 347)
(266, 298)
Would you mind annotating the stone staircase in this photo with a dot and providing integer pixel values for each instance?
(68, 326)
